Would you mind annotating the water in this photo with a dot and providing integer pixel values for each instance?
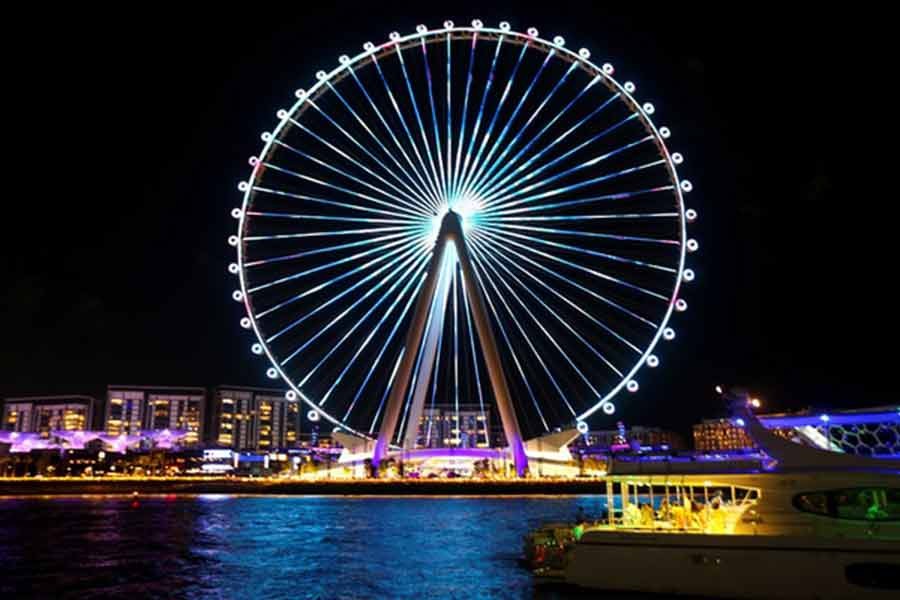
(275, 547)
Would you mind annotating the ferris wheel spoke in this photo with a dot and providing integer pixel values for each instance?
(475, 369)
(507, 165)
(307, 217)
(591, 234)
(504, 243)
(521, 329)
(490, 175)
(409, 193)
(490, 248)
(434, 121)
(418, 212)
(490, 128)
(581, 184)
(499, 142)
(489, 185)
(415, 179)
(565, 173)
(500, 211)
(403, 252)
(611, 257)
(494, 264)
(337, 204)
(463, 120)
(416, 276)
(387, 390)
(509, 345)
(436, 181)
(502, 229)
(433, 194)
(489, 82)
(552, 339)
(371, 291)
(356, 142)
(327, 249)
(397, 322)
(490, 194)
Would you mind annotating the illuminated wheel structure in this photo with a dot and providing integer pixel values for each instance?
(572, 210)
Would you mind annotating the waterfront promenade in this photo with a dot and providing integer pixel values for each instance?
(272, 486)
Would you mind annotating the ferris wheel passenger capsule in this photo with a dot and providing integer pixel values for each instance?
(686, 186)
(677, 158)
(609, 408)
(281, 114)
(692, 245)
(266, 136)
(253, 161)
(632, 386)
(290, 396)
(300, 94)
(237, 213)
(584, 53)
(532, 31)
(504, 26)
(629, 87)
(237, 295)
(477, 24)
(688, 275)
(665, 132)
(559, 41)
(394, 36)
(272, 373)
(233, 268)
(256, 348)
(608, 68)
(649, 108)
(368, 46)
(652, 361)
(232, 240)
(313, 415)
(668, 334)
(245, 322)
(343, 59)
(582, 427)
(243, 186)
(320, 75)
(448, 24)
(680, 305)
(691, 215)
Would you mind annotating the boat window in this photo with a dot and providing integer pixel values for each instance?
(856, 504)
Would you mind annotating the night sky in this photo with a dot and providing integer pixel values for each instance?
(129, 132)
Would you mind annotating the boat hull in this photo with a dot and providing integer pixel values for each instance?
(728, 566)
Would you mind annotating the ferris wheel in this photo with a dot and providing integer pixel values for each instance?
(556, 176)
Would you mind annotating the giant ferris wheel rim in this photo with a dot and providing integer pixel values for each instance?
(397, 42)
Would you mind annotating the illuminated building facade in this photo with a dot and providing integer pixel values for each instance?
(245, 418)
(439, 427)
(642, 437)
(131, 409)
(871, 432)
(44, 414)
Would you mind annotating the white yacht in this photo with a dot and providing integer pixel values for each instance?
(817, 525)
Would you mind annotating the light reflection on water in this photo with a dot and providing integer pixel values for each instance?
(276, 547)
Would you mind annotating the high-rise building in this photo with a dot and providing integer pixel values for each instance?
(246, 418)
(130, 409)
(44, 414)
(442, 426)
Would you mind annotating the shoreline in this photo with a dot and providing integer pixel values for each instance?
(25, 488)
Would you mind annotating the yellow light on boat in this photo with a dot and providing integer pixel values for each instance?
(755, 403)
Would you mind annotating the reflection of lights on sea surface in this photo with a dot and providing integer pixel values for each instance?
(213, 497)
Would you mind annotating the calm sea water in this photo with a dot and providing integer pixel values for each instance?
(275, 547)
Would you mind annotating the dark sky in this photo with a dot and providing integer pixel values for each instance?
(128, 132)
